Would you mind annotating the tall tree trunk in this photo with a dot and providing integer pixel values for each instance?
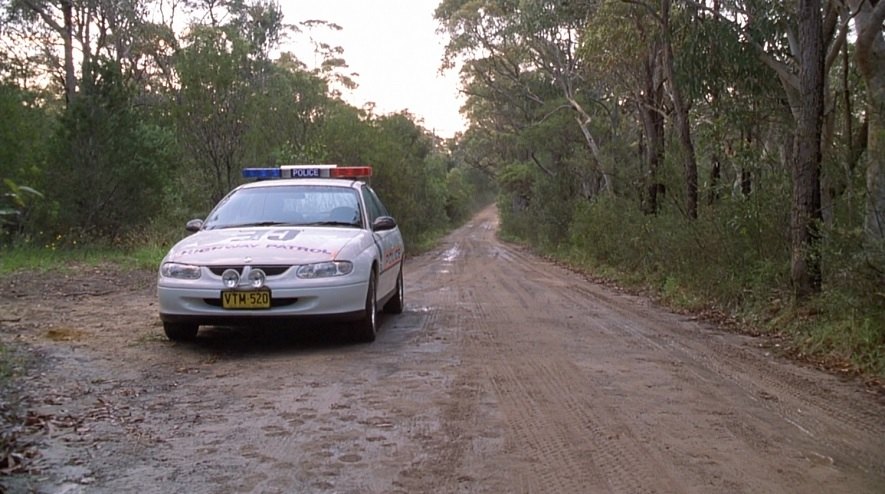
(713, 194)
(652, 117)
(67, 7)
(683, 125)
(848, 114)
(653, 125)
(806, 208)
(871, 63)
(874, 222)
(746, 178)
(66, 31)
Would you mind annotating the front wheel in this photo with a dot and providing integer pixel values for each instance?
(367, 327)
(395, 305)
(180, 331)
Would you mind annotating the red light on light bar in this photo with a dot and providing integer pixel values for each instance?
(351, 172)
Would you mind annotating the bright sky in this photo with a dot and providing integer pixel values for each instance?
(394, 47)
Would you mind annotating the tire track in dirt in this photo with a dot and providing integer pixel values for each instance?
(449, 452)
(601, 452)
(574, 444)
(853, 434)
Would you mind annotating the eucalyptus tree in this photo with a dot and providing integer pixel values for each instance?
(286, 115)
(679, 98)
(508, 45)
(681, 106)
(738, 109)
(210, 110)
(799, 43)
(622, 44)
(806, 210)
(85, 30)
(869, 17)
(330, 64)
(222, 68)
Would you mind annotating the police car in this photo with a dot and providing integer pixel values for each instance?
(300, 242)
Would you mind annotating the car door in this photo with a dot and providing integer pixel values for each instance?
(389, 242)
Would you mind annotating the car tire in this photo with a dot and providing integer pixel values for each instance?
(180, 331)
(395, 305)
(367, 327)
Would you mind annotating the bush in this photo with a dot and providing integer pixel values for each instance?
(108, 167)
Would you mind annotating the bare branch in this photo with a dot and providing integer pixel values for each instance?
(542, 167)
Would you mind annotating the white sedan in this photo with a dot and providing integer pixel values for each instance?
(286, 248)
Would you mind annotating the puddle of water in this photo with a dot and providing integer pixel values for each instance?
(451, 253)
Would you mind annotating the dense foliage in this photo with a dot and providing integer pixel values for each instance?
(726, 153)
(119, 124)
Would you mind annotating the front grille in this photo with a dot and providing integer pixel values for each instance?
(268, 270)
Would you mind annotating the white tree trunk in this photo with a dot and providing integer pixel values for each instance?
(871, 63)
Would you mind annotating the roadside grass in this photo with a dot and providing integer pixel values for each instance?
(424, 242)
(837, 332)
(64, 259)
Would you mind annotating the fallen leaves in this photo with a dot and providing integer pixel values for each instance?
(15, 457)
(16, 461)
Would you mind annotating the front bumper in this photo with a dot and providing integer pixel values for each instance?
(203, 305)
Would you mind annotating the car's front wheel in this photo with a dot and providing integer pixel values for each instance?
(180, 331)
(395, 305)
(367, 327)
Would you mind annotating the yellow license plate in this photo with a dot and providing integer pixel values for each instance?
(236, 299)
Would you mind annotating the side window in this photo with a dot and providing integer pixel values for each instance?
(373, 207)
(384, 211)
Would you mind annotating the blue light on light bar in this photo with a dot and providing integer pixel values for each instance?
(261, 173)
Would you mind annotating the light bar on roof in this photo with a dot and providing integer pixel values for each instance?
(309, 171)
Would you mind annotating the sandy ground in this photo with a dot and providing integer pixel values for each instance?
(505, 373)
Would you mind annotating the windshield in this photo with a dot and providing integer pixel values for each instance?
(287, 205)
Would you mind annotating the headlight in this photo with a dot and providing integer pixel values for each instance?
(230, 278)
(325, 269)
(180, 271)
(257, 278)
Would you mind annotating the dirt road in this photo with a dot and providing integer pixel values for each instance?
(504, 374)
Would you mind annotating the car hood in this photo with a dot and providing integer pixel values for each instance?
(272, 245)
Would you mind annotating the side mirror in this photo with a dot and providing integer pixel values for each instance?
(383, 223)
(194, 225)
